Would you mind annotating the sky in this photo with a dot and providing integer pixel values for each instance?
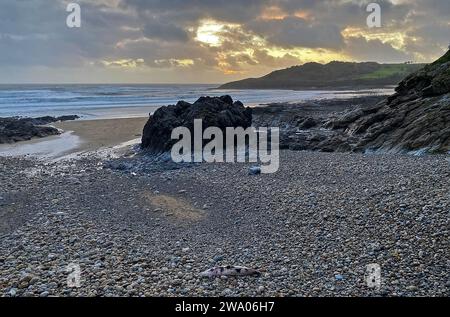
(208, 41)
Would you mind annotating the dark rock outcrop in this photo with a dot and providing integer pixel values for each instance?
(48, 119)
(219, 112)
(23, 129)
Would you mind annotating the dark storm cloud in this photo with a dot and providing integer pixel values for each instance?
(165, 31)
(322, 29)
(441, 7)
(297, 32)
(224, 10)
(33, 32)
(346, 13)
(375, 50)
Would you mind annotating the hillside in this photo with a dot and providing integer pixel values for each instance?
(332, 75)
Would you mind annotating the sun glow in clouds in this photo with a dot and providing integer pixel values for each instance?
(209, 32)
(175, 62)
(238, 51)
(396, 39)
(273, 13)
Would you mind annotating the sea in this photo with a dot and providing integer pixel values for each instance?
(125, 101)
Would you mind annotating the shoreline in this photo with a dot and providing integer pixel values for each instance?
(118, 108)
(94, 135)
(79, 137)
(91, 134)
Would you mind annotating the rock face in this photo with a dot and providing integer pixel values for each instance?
(219, 112)
(22, 129)
(416, 119)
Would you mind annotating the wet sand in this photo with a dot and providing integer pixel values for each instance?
(103, 133)
(79, 137)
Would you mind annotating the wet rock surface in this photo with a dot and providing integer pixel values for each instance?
(306, 125)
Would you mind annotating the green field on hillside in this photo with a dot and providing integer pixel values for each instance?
(390, 70)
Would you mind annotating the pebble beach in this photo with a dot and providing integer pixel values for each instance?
(311, 229)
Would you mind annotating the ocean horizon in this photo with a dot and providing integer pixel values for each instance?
(100, 101)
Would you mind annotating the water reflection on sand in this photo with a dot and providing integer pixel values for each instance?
(50, 147)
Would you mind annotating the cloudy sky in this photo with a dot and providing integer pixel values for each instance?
(208, 41)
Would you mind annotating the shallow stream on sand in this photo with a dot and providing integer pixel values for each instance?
(50, 147)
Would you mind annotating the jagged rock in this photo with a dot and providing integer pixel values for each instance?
(416, 118)
(219, 112)
(17, 129)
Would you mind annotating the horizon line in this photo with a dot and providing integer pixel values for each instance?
(103, 83)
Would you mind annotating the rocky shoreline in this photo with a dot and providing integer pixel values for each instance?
(310, 229)
(415, 120)
(302, 124)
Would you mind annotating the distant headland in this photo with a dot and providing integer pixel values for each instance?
(334, 75)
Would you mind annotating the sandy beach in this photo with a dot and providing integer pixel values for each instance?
(103, 133)
(78, 137)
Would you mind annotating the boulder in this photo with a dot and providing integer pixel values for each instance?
(219, 112)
